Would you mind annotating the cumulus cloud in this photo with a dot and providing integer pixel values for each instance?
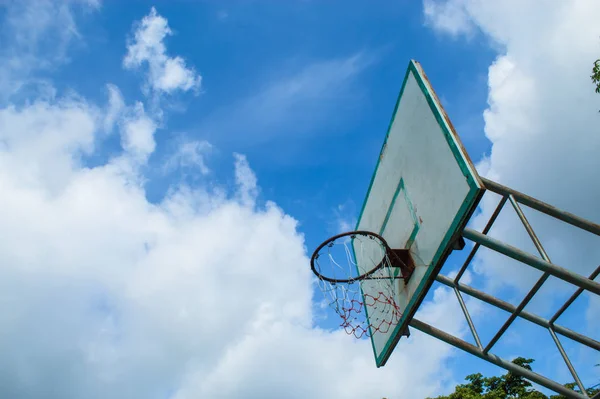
(205, 293)
(542, 122)
(448, 16)
(44, 141)
(138, 133)
(542, 116)
(165, 74)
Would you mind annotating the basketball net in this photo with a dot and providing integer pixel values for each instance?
(346, 276)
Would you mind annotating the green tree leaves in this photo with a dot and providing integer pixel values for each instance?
(596, 75)
(507, 386)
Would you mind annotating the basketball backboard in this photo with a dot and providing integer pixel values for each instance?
(421, 195)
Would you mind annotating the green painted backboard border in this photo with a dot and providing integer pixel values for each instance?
(462, 217)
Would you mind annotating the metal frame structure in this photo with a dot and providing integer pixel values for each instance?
(542, 263)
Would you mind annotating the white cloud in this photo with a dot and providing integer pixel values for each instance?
(205, 293)
(36, 35)
(43, 142)
(108, 295)
(543, 124)
(345, 225)
(189, 154)
(166, 74)
(138, 133)
(115, 107)
(245, 179)
(448, 16)
(342, 218)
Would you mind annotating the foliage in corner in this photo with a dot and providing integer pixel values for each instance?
(508, 386)
(596, 75)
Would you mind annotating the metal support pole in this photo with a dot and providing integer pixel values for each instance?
(537, 285)
(532, 235)
(498, 361)
(468, 317)
(565, 357)
(533, 261)
(486, 229)
(573, 297)
(543, 207)
(516, 312)
(542, 263)
(500, 304)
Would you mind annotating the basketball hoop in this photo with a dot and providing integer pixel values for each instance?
(347, 262)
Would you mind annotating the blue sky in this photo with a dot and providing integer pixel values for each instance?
(313, 147)
(305, 91)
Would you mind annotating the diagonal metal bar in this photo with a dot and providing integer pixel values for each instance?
(500, 304)
(533, 261)
(498, 361)
(564, 307)
(537, 285)
(527, 225)
(543, 207)
(567, 361)
(516, 312)
(486, 230)
(468, 317)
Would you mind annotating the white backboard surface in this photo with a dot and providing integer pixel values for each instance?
(421, 195)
